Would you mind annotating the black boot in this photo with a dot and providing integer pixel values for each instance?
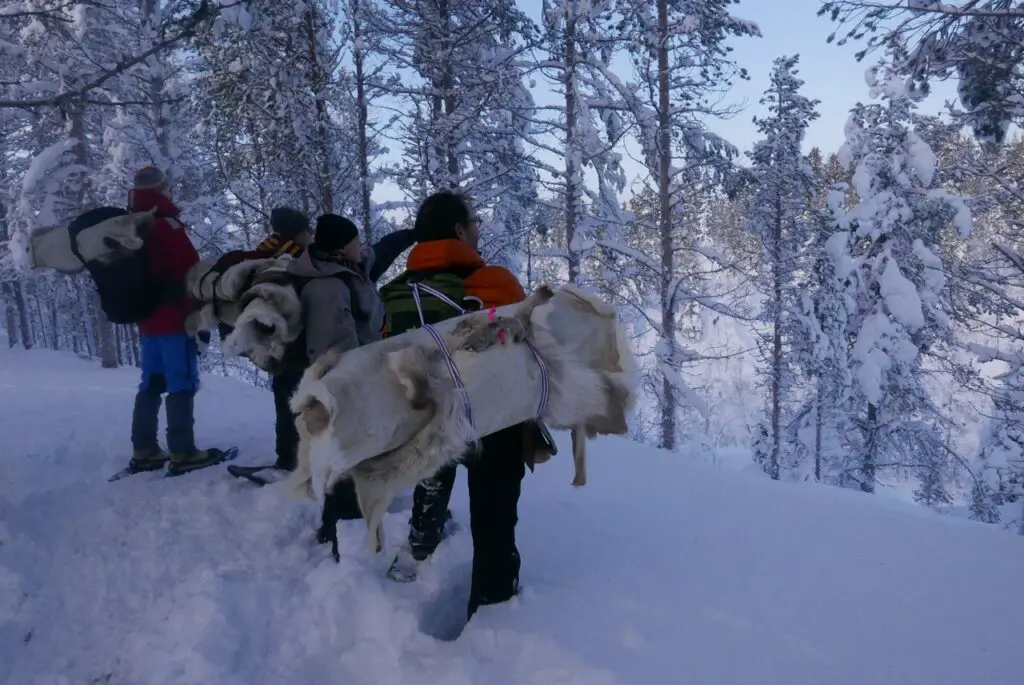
(430, 512)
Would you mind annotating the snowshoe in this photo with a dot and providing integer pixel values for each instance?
(201, 459)
(259, 475)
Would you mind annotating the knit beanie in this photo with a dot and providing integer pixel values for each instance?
(149, 177)
(334, 232)
(287, 222)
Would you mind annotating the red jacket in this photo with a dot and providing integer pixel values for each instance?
(171, 255)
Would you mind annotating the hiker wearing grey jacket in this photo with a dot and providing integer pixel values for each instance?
(342, 310)
(340, 305)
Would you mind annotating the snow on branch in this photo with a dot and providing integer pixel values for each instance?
(179, 31)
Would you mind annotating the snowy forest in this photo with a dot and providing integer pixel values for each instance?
(848, 316)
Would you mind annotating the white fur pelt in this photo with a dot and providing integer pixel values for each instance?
(256, 299)
(270, 319)
(107, 241)
(387, 415)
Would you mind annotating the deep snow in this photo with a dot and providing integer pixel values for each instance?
(661, 570)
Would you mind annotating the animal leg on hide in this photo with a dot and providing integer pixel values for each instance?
(374, 498)
(579, 456)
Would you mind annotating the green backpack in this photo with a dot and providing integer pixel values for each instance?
(400, 310)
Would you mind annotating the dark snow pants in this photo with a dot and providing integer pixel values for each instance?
(287, 436)
(495, 480)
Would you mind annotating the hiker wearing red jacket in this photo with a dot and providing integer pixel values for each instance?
(170, 357)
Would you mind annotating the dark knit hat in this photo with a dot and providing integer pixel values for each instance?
(287, 222)
(149, 177)
(334, 232)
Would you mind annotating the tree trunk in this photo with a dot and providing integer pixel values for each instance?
(24, 326)
(571, 167)
(668, 313)
(108, 349)
(777, 273)
(443, 107)
(88, 319)
(136, 353)
(55, 325)
(40, 317)
(10, 313)
(818, 421)
(319, 86)
(362, 133)
(869, 460)
(161, 126)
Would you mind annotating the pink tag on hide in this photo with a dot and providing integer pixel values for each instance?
(492, 316)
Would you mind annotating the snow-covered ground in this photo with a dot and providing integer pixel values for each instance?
(661, 570)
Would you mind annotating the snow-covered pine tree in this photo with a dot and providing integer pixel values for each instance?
(267, 101)
(458, 85)
(59, 182)
(577, 49)
(778, 215)
(977, 42)
(681, 62)
(888, 251)
(364, 86)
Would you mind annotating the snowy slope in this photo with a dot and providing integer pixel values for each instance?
(659, 571)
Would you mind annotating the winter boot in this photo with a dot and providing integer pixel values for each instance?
(430, 513)
(183, 462)
(181, 439)
(495, 579)
(148, 459)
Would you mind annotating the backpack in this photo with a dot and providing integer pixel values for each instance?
(128, 292)
(400, 305)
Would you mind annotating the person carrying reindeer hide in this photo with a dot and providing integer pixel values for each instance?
(447, 259)
(341, 310)
(290, 235)
(170, 357)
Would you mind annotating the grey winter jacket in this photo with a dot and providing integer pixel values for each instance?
(340, 307)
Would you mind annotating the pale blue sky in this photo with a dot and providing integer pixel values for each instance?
(831, 73)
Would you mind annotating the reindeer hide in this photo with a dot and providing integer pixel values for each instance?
(50, 247)
(388, 415)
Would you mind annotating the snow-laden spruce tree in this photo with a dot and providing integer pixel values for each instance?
(821, 348)
(887, 251)
(779, 215)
